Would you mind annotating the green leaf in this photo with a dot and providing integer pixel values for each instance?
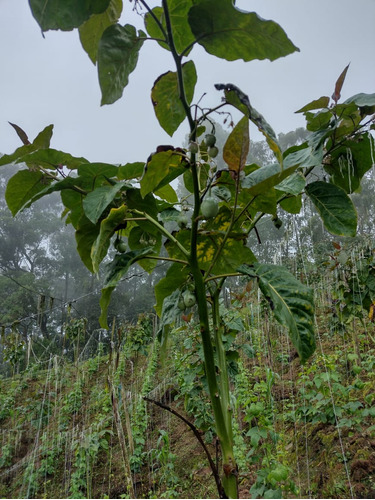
(294, 184)
(86, 234)
(108, 227)
(236, 147)
(362, 100)
(320, 103)
(265, 178)
(227, 32)
(292, 303)
(349, 163)
(104, 304)
(167, 193)
(92, 30)
(42, 141)
(170, 312)
(292, 205)
(178, 13)
(131, 171)
(146, 204)
(22, 187)
(98, 200)
(174, 279)
(121, 264)
(238, 99)
(161, 170)
(165, 97)
(302, 156)
(65, 14)
(334, 206)
(52, 159)
(96, 173)
(117, 57)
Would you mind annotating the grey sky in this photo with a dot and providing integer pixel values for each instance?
(52, 80)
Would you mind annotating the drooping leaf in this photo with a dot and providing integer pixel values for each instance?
(117, 57)
(146, 204)
(42, 141)
(178, 13)
(236, 147)
(104, 301)
(227, 32)
(334, 206)
(65, 14)
(174, 278)
(121, 264)
(22, 187)
(96, 173)
(165, 97)
(86, 234)
(320, 103)
(98, 200)
(238, 99)
(92, 30)
(170, 312)
(292, 303)
(107, 229)
(339, 83)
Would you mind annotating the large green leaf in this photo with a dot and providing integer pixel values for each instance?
(98, 200)
(51, 159)
(170, 312)
(92, 30)
(42, 141)
(22, 187)
(65, 14)
(117, 57)
(229, 33)
(334, 206)
(320, 103)
(178, 13)
(349, 163)
(238, 99)
(236, 147)
(291, 302)
(107, 229)
(166, 100)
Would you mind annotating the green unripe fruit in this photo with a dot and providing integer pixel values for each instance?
(120, 245)
(189, 299)
(210, 140)
(212, 151)
(182, 220)
(181, 304)
(193, 147)
(209, 208)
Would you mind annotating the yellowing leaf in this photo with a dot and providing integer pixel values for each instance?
(236, 147)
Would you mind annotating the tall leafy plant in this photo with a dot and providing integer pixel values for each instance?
(204, 235)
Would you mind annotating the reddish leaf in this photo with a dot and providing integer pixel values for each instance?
(21, 134)
(340, 82)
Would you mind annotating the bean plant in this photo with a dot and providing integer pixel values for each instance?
(134, 209)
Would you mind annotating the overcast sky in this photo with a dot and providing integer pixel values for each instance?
(51, 80)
